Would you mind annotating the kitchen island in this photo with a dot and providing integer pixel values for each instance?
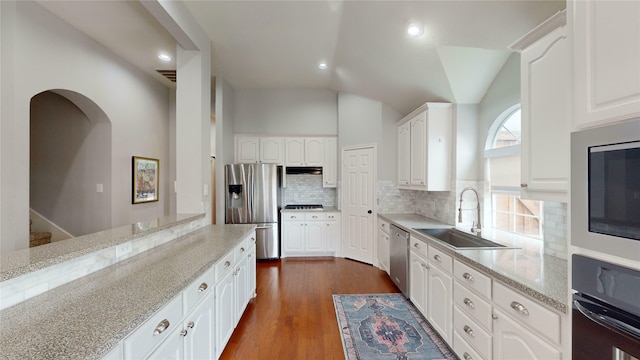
(88, 317)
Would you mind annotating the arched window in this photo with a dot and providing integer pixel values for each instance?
(508, 211)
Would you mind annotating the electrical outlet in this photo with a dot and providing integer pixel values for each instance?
(123, 249)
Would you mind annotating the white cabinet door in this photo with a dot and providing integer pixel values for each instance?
(512, 341)
(252, 272)
(117, 353)
(172, 348)
(294, 152)
(418, 278)
(333, 232)
(199, 338)
(383, 251)
(272, 150)
(247, 149)
(439, 147)
(440, 302)
(404, 155)
(606, 54)
(419, 150)
(546, 114)
(292, 237)
(242, 295)
(315, 236)
(314, 151)
(225, 314)
(330, 169)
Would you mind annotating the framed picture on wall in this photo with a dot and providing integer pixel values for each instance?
(146, 173)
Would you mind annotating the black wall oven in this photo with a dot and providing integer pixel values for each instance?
(606, 311)
(605, 189)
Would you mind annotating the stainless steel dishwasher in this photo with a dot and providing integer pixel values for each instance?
(399, 256)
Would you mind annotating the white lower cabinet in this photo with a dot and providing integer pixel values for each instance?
(213, 305)
(117, 353)
(418, 277)
(310, 234)
(440, 301)
(473, 334)
(513, 341)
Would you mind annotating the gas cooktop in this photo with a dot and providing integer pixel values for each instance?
(304, 207)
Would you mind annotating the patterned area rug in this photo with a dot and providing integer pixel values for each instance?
(386, 326)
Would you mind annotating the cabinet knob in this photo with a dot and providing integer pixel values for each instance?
(468, 277)
(227, 264)
(523, 185)
(370, 212)
(437, 258)
(191, 324)
(466, 356)
(183, 333)
(469, 303)
(202, 287)
(469, 331)
(416, 245)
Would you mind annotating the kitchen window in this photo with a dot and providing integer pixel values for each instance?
(508, 211)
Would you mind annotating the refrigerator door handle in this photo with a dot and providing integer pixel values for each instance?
(264, 227)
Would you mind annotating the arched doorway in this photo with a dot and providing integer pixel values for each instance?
(70, 164)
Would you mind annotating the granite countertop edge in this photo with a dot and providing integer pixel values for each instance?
(77, 249)
(517, 284)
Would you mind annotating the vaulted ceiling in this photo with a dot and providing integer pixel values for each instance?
(278, 44)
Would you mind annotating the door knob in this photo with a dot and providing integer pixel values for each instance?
(370, 212)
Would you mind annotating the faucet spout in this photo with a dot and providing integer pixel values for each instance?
(476, 227)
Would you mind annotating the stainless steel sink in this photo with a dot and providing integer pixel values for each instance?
(461, 240)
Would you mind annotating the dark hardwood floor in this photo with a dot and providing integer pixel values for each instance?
(293, 315)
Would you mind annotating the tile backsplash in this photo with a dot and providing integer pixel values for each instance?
(307, 189)
(443, 206)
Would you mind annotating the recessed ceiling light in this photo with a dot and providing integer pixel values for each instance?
(164, 57)
(323, 66)
(415, 29)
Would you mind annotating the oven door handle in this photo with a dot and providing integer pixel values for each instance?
(604, 320)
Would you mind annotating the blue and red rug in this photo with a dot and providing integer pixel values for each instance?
(386, 326)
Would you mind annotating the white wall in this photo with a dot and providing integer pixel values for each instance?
(225, 118)
(47, 53)
(503, 92)
(468, 154)
(285, 112)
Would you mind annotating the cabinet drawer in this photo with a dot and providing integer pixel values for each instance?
(439, 258)
(243, 248)
(333, 216)
(473, 305)
(383, 225)
(528, 312)
(472, 333)
(224, 265)
(418, 246)
(154, 331)
(292, 216)
(317, 216)
(464, 350)
(472, 279)
(198, 289)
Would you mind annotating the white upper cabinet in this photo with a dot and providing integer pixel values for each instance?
(304, 151)
(425, 148)
(606, 56)
(546, 110)
(259, 149)
(329, 168)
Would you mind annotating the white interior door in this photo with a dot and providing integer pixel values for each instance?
(358, 200)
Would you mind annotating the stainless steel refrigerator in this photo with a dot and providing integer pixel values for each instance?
(253, 197)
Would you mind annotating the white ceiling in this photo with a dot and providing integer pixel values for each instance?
(278, 44)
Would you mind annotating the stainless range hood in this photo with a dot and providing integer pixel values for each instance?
(304, 170)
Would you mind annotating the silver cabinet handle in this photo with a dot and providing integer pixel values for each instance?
(183, 333)
(469, 331)
(314, 217)
(242, 249)
(162, 326)
(466, 356)
(227, 264)
(468, 276)
(292, 217)
(191, 324)
(523, 185)
(469, 303)
(416, 245)
(202, 287)
(494, 316)
(437, 258)
(519, 308)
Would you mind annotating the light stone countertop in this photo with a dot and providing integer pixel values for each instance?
(86, 318)
(526, 269)
(24, 261)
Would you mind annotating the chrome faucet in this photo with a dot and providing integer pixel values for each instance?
(475, 228)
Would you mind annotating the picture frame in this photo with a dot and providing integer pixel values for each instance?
(145, 180)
